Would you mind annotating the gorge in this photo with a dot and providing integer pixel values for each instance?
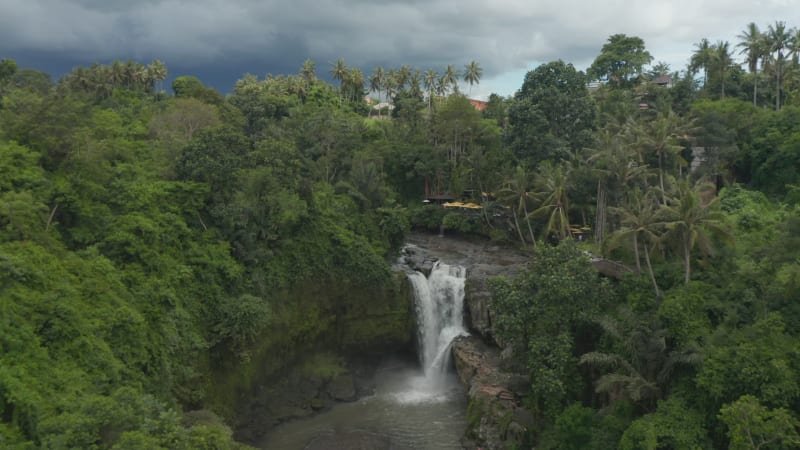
(418, 401)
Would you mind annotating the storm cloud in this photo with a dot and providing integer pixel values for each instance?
(221, 39)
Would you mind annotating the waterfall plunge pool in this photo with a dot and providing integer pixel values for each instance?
(416, 406)
(406, 412)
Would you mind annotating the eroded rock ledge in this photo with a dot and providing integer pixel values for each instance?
(496, 418)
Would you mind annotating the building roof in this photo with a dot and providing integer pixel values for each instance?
(480, 105)
(663, 80)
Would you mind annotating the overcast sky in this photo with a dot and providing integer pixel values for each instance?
(219, 40)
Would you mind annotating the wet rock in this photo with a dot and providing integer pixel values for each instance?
(482, 259)
(342, 388)
(496, 419)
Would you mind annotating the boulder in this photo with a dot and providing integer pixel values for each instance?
(342, 388)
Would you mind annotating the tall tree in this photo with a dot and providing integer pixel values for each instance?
(692, 219)
(620, 60)
(450, 78)
(339, 72)
(157, 73)
(640, 222)
(722, 61)
(309, 71)
(552, 114)
(753, 46)
(515, 193)
(778, 40)
(552, 187)
(701, 58)
(472, 74)
(430, 81)
(661, 136)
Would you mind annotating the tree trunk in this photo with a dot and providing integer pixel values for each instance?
(600, 219)
(687, 261)
(650, 270)
(516, 224)
(661, 179)
(527, 220)
(636, 252)
(50, 219)
(755, 89)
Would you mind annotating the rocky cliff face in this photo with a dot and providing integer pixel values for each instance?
(284, 377)
(483, 260)
(496, 419)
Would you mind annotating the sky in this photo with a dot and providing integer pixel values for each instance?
(220, 40)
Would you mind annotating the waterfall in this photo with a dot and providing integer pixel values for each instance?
(440, 307)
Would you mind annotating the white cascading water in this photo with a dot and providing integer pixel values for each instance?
(440, 307)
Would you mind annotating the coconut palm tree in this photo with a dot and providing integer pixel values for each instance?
(691, 221)
(450, 78)
(403, 77)
(309, 71)
(701, 58)
(515, 194)
(721, 61)
(552, 187)
(661, 136)
(642, 367)
(339, 72)
(472, 74)
(415, 84)
(778, 40)
(376, 82)
(355, 84)
(640, 222)
(157, 73)
(753, 45)
(430, 80)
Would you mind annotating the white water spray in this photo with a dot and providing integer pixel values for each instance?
(440, 309)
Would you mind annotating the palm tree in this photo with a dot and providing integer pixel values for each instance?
(472, 74)
(660, 69)
(376, 82)
(722, 60)
(390, 84)
(157, 72)
(309, 71)
(403, 76)
(339, 72)
(515, 193)
(691, 221)
(117, 73)
(639, 218)
(644, 364)
(450, 78)
(660, 136)
(355, 84)
(753, 45)
(415, 84)
(701, 58)
(552, 186)
(778, 40)
(430, 79)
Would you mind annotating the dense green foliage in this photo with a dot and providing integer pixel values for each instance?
(696, 347)
(153, 244)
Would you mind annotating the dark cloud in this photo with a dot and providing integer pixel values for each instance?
(221, 39)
